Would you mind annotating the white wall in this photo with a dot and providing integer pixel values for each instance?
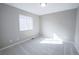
(77, 31)
(9, 25)
(61, 23)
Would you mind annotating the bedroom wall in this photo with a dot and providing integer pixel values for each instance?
(59, 24)
(77, 31)
(9, 25)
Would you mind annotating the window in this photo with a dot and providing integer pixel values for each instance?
(25, 23)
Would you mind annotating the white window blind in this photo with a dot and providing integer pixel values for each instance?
(25, 23)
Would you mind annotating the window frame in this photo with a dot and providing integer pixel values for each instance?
(24, 24)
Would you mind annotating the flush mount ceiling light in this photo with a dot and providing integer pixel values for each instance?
(43, 4)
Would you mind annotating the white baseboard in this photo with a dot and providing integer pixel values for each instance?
(76, 48)
(19, 42)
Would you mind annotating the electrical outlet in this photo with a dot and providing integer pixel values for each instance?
(11, 41)
(17, 39)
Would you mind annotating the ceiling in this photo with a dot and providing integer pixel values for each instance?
(35, 8)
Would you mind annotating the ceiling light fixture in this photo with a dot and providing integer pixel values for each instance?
(43, 4)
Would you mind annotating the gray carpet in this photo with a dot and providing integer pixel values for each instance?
(37, 46)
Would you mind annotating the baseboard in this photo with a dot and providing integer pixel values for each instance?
(19, 42)
(76, 48)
